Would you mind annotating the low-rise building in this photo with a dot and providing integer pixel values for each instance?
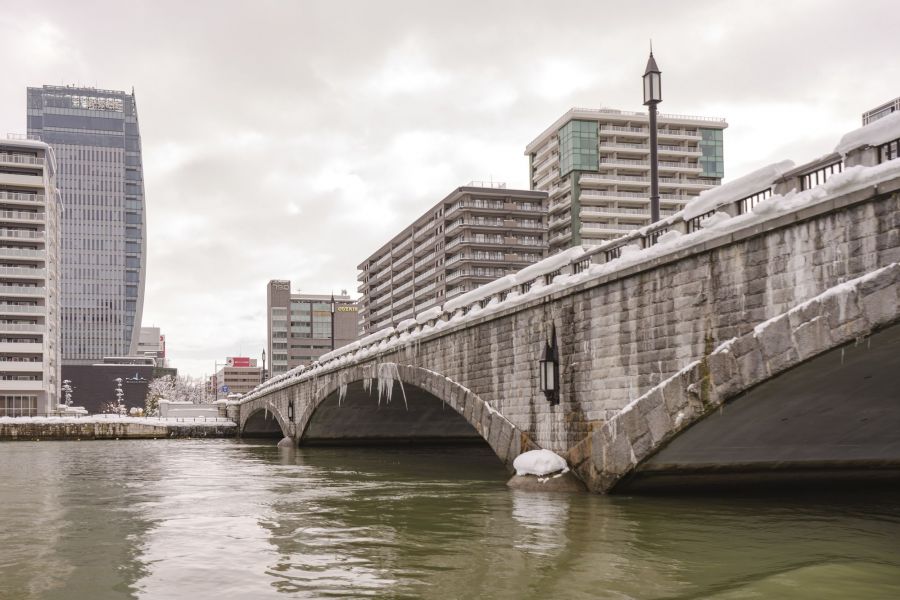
(29, 279)
(479, 232)
(152, 343)
(238, 375)
(302, 327)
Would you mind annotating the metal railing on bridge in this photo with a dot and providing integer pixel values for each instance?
(749, 201)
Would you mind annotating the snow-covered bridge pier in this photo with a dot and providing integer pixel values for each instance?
(757, 330)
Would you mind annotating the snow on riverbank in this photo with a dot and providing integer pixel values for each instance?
(113, 419)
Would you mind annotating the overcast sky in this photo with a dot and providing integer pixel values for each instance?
(289, 139)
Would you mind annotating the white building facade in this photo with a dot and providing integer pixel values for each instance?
(595, 166)
(29, 279)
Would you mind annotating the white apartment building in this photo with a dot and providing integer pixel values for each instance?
(477, 233)
(595, 166)
(29, 278)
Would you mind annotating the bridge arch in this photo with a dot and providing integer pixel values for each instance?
(418, 385)
(264, 420)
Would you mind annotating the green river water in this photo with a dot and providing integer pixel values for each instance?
(224, 519)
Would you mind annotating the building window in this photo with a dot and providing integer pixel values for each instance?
(713, 160)
(578, 147)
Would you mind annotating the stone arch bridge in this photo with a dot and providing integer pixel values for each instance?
(737, 338)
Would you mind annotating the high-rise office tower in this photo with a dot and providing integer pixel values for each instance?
(98, 148)
(29, 279)
(594, 164)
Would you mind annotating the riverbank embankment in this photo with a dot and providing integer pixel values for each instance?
(104, 427)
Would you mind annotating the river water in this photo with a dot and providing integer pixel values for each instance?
(225, 519)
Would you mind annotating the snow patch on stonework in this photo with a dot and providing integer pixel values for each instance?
(540, 463)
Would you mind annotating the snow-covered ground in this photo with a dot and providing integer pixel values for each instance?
(173, 422)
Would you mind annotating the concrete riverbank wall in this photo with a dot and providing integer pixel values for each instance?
(93, 430)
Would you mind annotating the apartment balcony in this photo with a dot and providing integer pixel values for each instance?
(678, 134)
(19, 253)
(421, 232)
(399, 248)
(426, 289)
(21, 366)
(426, 244)
(21, 234)
(609, 228)
(23, 347)
(24, 291)
(381, 287)
(562, 188)
(403, 315)
(546, 149)
(562, 205)
(381, 311)
(401, 261)
(610, 179)
(22, 327)
(20, 159)
(679, 150)
(425, 259)
(623, 147)
(679, 167)
(400, 288)
(23, 272)
(425, 274)
(403, 274)
(625, 162)
(23, 216)
(683, 183)
(561, 237)
(544, 167)
(623, 131)
(541, 182)
(21, 198)
(31, 181)
(22, 309)
(402, 302)
(16, 385)
(384, 259)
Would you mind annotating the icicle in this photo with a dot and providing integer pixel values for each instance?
(367, 385)
(842, 356)
(342, 393)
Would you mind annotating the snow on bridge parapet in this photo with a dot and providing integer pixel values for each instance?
(716, 216)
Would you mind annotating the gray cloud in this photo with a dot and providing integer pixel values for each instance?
(291, 139)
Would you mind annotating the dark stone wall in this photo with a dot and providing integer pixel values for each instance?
(95, 385)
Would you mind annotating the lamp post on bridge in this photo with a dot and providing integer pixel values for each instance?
(652, 97)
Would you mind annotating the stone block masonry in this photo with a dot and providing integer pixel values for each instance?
(624, 334)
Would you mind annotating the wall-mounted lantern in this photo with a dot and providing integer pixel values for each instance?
(291, 410)
(549, 369)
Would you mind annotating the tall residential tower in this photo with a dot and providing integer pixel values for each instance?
(29, 279)
(98, 147)
(594, 164)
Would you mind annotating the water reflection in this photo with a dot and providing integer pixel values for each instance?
(543, 518)
(220, 519)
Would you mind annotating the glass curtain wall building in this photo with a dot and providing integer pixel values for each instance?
(97, 142)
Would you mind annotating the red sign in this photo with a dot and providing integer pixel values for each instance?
(238, 361)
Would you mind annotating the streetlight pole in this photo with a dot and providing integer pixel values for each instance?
(652, 97)
(332, 321)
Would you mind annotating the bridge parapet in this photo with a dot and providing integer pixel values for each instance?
(766, 199)
(630, 314)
